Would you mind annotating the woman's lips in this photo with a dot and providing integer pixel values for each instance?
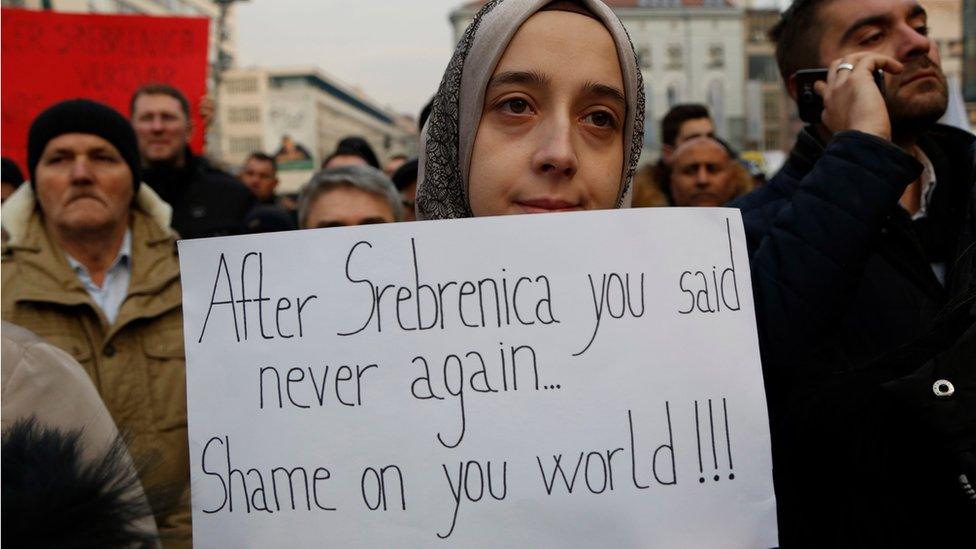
(545, 205)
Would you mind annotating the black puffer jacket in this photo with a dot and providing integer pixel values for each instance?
(206, 201)
(855, 328)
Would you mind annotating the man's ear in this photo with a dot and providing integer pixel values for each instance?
(666, 152)
(791, 86)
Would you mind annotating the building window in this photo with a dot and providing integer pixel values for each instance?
(244, 115)
(716, 56)
(715, 97)
(644, 57)
(673, 95)
(245, 144)
(763, 68)
(659, 3)
(759, 24)
(674, 57)
(242, 85)
(771, 100)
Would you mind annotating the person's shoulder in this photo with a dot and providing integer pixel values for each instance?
(230, 183)
(956, 143)
(943, 132)
(223, 183)
(760, 207)
(775, 191)
(213, 172)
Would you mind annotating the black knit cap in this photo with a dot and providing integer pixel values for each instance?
(10, 173)
(405, 174)
(83, 116)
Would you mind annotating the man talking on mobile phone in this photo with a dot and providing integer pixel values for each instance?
(863, 259)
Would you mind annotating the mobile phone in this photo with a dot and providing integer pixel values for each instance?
(809, 102)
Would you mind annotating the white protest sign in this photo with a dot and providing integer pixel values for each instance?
(572, 380)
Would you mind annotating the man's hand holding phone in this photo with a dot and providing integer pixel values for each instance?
(852, 99)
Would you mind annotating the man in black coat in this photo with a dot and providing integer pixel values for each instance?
(206, 201)
(863, 261)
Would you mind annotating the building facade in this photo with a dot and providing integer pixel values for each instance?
(690, 51)
(771, 116)
(274, 110)
(969, 58)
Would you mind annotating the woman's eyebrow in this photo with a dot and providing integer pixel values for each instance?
(528, 78)
(611, 93)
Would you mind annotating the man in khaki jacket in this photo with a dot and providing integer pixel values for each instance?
(90, 265)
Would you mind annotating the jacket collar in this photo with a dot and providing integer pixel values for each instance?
(48, 278)
(810, 147)
(807, 150)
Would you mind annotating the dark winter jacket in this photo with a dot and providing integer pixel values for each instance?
(206, 201)
(855, 329)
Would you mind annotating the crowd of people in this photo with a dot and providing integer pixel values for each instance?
(862, 251)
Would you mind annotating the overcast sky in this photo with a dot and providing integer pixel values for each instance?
(394, 50)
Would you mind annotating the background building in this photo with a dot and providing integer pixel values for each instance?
(771, 117)
(260, 108)
(969, 57)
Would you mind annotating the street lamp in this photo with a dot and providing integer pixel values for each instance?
(223, 62)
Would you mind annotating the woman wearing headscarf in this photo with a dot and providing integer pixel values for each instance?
(541, 109)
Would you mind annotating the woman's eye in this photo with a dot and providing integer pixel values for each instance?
(517, 106)
(600, 119)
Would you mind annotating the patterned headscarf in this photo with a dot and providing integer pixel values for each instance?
(448, 137)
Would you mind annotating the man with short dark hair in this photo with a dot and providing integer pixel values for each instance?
(393, 163)
(684, 122)
(206, 201)
(260, 174)
(863, 254)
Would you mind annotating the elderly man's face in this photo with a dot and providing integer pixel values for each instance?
(83, 184)
(702, 174)
(162, 127)
(348, 206)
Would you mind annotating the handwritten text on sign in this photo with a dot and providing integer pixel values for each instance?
(585, 379)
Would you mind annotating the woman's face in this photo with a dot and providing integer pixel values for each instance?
(551, 131)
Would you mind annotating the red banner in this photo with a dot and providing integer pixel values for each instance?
(48, 57)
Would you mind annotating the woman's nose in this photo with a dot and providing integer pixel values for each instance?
(555, 152)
